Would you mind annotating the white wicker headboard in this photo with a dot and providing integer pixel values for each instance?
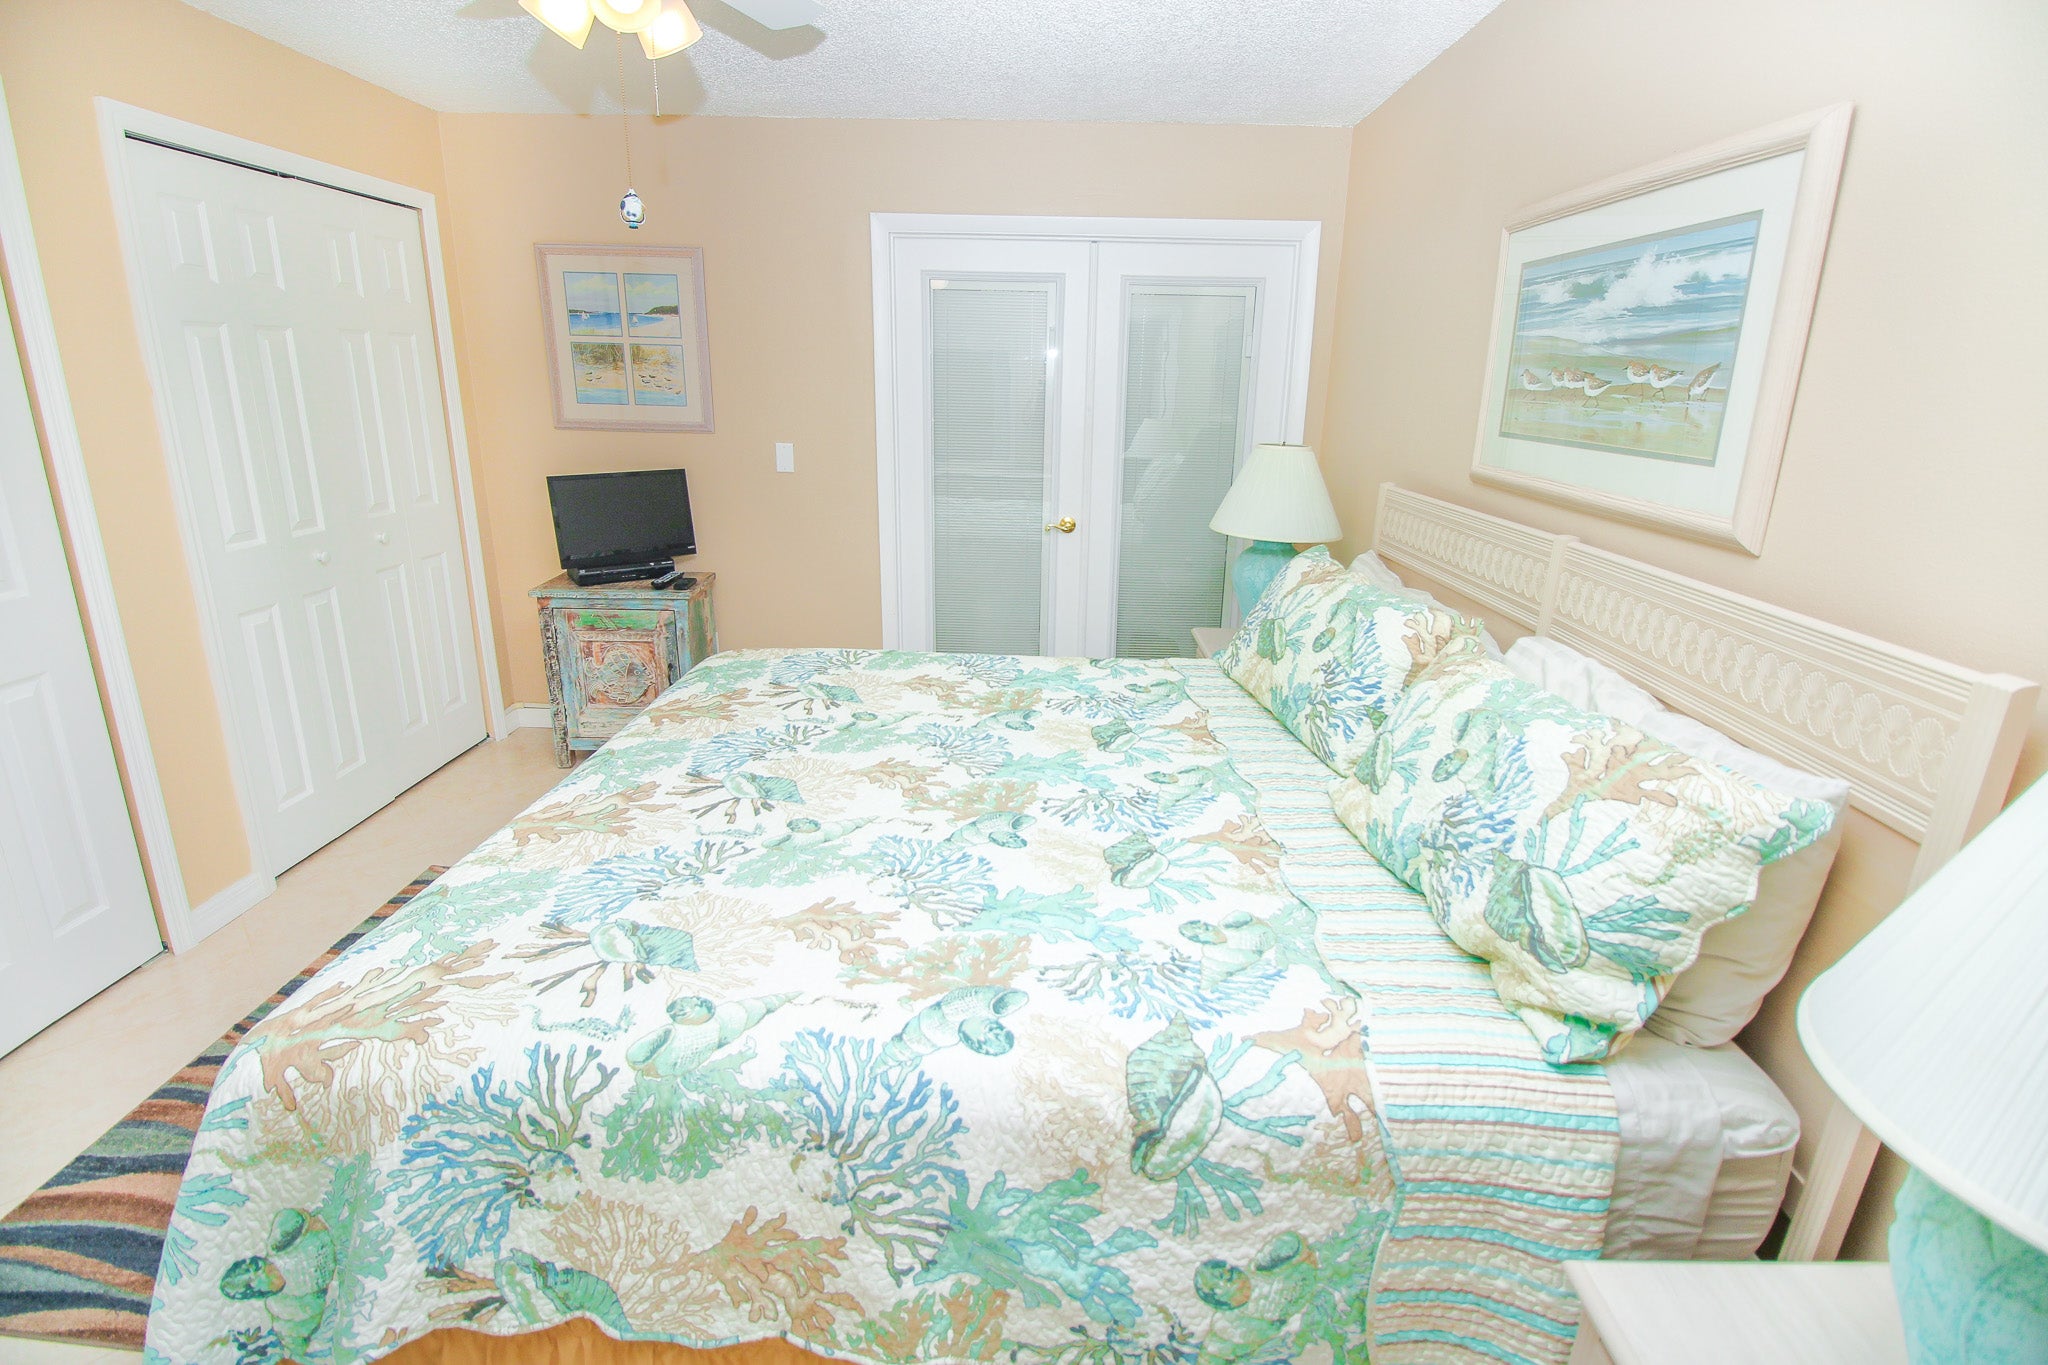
(1928, 747)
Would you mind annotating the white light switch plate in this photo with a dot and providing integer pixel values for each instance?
(785, 457)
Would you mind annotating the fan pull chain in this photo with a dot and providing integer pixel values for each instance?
(630, 208)
(625, 124)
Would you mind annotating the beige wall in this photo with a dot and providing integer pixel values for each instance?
(164, 56)
(1915, 478)
(781, 209)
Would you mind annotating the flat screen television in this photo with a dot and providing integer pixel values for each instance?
(621, 521)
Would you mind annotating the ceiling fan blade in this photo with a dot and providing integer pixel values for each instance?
(779, 14)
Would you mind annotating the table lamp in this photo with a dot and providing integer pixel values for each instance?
(1934, 1031)
(1278, 500)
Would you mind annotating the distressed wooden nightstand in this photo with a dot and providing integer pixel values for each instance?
(1722, 1312)
(612, 649)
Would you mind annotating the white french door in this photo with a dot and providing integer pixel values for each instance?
(1000, 437)
(295, 353)
(1061, 406)
(74, 908)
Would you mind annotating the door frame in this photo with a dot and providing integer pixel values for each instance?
(889, 230)
(116, 122)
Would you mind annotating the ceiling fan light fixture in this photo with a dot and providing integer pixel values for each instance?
(569, 19)
(626, 16)
(674, 29)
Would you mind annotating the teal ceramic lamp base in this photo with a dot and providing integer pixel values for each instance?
(1969, 1291)
(1257, 566)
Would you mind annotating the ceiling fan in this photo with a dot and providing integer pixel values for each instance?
(664, 27)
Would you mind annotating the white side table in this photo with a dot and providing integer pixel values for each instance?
(1722, 1312)
(1209, 639)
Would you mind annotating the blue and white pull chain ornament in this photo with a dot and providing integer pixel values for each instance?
(631, 209)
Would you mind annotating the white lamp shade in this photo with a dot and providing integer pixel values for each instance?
(570, 19)
(1279, 495)
(675, 29)
(1934, 1028)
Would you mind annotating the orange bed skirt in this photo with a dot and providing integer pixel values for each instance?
(582, 1343)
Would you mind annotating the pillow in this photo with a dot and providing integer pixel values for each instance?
(1328, 653)
(1580, 858)
(1741, 959)
(1586, 683)
(1374, 570)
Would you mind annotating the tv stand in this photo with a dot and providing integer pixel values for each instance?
(612, 649)
(621, 573)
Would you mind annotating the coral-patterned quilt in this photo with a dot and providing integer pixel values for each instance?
(908, 1007)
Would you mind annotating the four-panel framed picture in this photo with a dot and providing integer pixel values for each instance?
(1648, 332)
(628, 345)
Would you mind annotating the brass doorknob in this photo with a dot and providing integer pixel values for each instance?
(1065, 526)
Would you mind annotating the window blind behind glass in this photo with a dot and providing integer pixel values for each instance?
(1186, 374)
(989, 437)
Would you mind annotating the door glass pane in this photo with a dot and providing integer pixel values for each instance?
(989, 438)
(1186, 382)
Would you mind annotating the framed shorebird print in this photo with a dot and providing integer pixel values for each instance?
(628, 347)
(1648, 333)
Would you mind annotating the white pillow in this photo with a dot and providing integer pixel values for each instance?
(1743, 958)
(1586, 683)
(1374, 570)
(1371, 567)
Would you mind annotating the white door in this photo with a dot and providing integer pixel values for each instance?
(1198, 352)
(996, 444)
(1063, 416)
(300, 382)
(74, 908)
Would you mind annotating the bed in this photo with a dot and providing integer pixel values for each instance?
(928, 1008)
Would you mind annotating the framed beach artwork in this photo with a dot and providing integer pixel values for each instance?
(627, 344)
(1648, 333)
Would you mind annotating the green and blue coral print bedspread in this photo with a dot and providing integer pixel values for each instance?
(912, 1008)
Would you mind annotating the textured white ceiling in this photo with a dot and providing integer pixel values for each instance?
(1327, 62)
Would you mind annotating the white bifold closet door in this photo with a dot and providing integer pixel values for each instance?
(300, 382)
(74, 909)
(1068, 416)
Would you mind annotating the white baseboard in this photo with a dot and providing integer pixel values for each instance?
(529, 715)
(217, 910)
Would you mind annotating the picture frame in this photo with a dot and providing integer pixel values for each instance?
(1648, 333)
(628, 342)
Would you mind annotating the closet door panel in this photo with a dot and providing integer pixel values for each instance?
(305, 433)
(396, 308)
(214, 245)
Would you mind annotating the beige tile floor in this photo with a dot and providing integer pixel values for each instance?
(75, 1079)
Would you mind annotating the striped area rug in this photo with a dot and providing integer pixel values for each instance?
(78, 1259)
